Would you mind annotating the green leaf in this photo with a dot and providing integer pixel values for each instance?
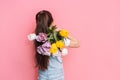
(55, 36)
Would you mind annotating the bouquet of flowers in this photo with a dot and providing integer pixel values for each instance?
(52, 42)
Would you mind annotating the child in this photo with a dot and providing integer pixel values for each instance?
(49, 57)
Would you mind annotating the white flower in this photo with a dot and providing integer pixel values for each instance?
(67, 41)
(64, 51)
(31, 37)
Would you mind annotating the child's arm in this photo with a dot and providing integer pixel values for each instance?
(74, 43)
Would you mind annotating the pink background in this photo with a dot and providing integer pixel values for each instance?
(96, 23)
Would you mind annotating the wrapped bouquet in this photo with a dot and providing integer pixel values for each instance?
(52, 42)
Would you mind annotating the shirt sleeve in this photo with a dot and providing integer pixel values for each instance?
(66, 41)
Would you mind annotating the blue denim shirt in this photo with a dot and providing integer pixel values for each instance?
(55, 62)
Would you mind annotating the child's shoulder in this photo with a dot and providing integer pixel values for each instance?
(57, 29)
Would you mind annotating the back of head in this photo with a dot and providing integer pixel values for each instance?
(43, 21)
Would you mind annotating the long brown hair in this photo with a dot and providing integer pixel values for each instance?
(43, 20)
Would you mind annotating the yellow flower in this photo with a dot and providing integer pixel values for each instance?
(60, 44)
(53, 49)
(64, 33)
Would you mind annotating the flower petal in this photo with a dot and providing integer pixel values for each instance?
(64, 51)
(31, 37)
